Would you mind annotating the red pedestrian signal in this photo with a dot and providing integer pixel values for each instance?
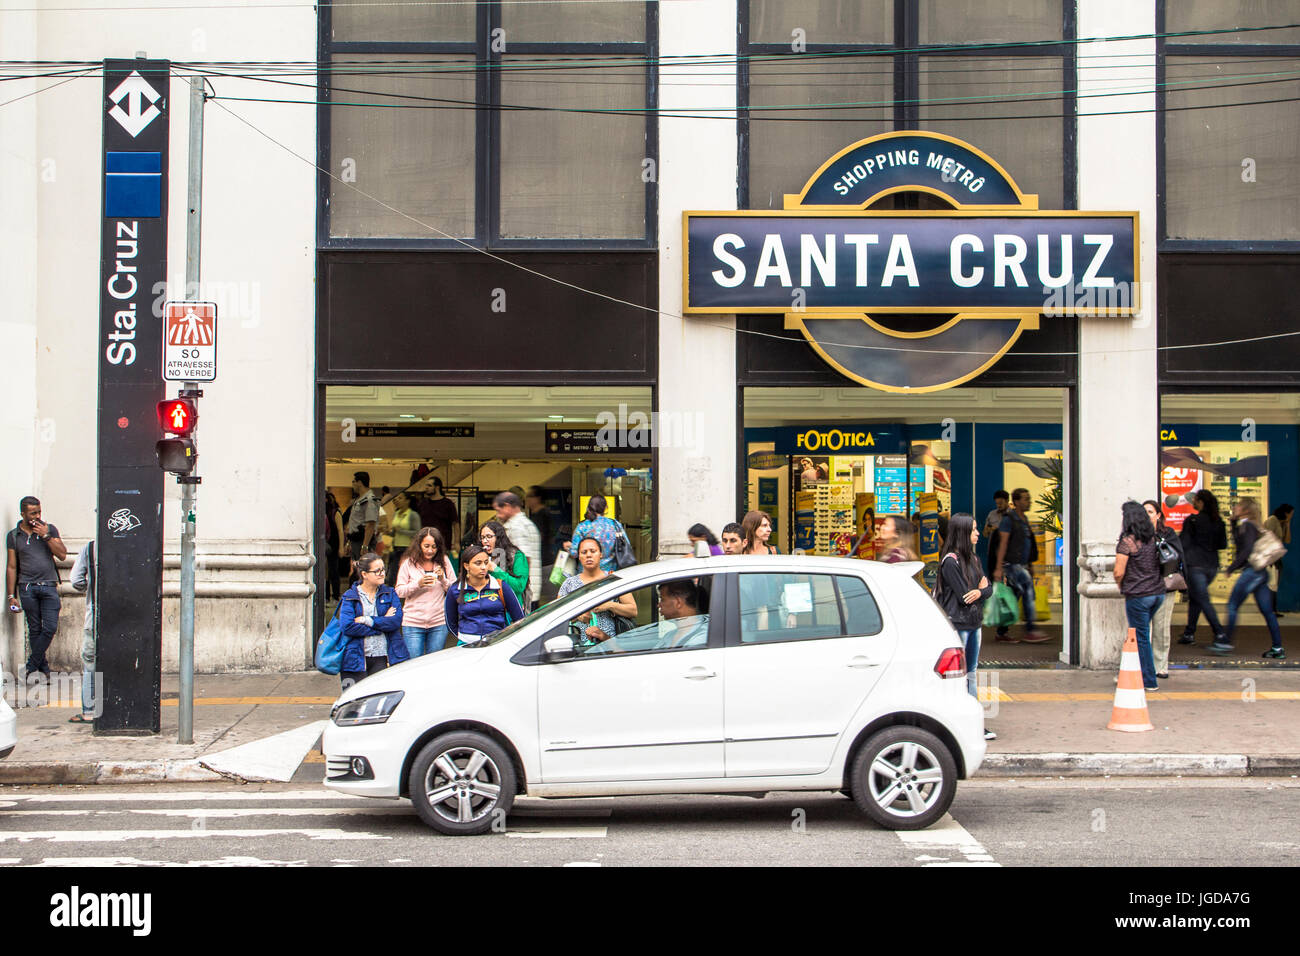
(178, 416)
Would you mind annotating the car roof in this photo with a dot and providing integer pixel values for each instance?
(800, 563)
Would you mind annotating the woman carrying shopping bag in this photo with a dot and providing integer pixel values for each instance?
(961, 589)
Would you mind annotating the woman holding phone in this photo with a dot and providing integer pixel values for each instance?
(423, 578)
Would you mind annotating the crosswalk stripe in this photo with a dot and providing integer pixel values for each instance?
(179, 795)
(947, 837)
(229, 813)
(113, 836)
(114, 861)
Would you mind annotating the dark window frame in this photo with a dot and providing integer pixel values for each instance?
(487, 182)
(906, 51)
(1166, 49)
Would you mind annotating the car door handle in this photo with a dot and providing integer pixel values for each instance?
(699, 673)
(861, 662)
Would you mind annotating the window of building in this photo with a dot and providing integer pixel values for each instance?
(1230, 131)
(496, 124)
(819, 75)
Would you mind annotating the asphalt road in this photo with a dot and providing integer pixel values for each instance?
(1165, 822)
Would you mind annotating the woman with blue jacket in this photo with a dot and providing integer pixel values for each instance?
(371, 615)
(477, 604)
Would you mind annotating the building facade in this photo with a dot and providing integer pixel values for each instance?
(453, 234)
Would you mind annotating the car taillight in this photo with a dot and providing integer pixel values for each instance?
(952, 663)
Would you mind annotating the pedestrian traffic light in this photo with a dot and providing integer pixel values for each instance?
(177, 416)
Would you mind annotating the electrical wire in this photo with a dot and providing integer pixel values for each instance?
(674, 315)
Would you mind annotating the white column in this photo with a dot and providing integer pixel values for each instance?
(19, 187)
(1118, 404)
(697, 355)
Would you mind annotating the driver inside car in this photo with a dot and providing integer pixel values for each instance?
(680, 625)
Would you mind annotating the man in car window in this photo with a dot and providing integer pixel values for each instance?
(683, 625)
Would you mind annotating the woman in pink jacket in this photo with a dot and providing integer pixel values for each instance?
(423, 578)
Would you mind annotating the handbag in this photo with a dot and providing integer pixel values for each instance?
(622, 551)
(1167, 554)
(330, 645)
(1268, 550)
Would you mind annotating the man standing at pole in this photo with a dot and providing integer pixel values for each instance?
(32, 580)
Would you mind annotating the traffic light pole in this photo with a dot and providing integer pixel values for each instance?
(193, 220)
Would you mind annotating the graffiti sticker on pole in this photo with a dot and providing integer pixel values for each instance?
(190, 342)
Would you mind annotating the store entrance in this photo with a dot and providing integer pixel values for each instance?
(828, 465)
(1239, 448)
(552, 446)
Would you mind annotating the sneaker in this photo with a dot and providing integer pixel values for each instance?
(1187, 639)
(990, 735)
(1219, 647)
(1003, 638)
(1035, 637)
(1163, 676)
(1277, 653)
(1151, 690)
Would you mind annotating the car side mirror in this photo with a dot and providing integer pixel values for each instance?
(559, 648)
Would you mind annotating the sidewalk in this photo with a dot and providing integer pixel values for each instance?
(1049, 722)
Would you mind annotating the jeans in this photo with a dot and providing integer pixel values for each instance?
(1253, 582)
(1198, 601)
(971, 639)
(1022, 582)
(41, 608)
(424, 640)
(91, 706)
(1139, 611)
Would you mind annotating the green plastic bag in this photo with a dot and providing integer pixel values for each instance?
(1003, 608)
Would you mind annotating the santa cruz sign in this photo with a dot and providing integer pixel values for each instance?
(833, 266)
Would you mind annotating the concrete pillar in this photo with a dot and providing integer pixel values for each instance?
(19, 190)
(1118, 403)
(696, 400)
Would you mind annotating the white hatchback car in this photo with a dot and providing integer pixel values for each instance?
(737, 675)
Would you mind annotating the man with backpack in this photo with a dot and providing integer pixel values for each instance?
(1017, 551)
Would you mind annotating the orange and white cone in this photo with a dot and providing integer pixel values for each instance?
(1130, 710)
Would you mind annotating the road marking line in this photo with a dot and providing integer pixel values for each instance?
(946, 836)
(223, 702)
(115, 861)
(1039, 698)
(172, 796)
(560, 833)
(112, 836)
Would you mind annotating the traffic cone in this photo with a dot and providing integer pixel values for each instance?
(1130, 711)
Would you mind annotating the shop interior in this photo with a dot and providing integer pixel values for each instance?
(1234, 445)
(482, 440)
(829, 464)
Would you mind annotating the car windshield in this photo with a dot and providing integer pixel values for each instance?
(574, 596)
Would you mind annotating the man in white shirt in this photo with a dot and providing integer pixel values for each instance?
(525, 536)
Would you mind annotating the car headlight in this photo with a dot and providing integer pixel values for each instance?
(374, 709)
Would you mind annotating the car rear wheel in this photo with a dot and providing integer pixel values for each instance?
(904, 778)
(462, 783)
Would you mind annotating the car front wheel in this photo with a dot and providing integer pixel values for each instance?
(462, 783)
(904, 778)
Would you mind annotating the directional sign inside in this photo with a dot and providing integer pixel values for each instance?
(139, 98)
(190, 342)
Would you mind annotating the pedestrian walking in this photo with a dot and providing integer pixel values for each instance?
(961, 589)
(371, 614)
(1203, 536)
(363, 517)
(423, 580)
(894, 540)
(83, 579)
(32, 580)
(333, 545)
(478, 605)
(1160, 632)
(698, 533)
(1279, 522)
(594, 524)
(1246, 529)
(756, 530)
(509, 564)
(733, 538)
(1017, 551)
(605, 620)
(405, 523)
(1001, 503)
(439, 511)
(510, 512)
(1137, 572)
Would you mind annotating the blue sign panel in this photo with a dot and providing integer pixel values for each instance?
(133, 185)
(917, 262)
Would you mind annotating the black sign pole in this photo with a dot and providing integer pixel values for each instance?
(133, 273)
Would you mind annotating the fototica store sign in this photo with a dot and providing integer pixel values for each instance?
(982, 271)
